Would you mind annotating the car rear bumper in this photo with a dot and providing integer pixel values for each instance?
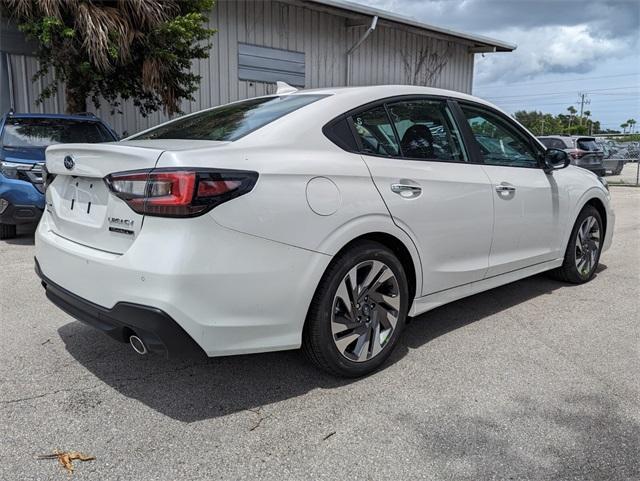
(159, 332)
(231, 293)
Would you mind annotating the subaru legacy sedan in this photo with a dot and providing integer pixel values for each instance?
(318, 219)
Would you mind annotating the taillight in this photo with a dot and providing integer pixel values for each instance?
(179, 192)
(577, 153)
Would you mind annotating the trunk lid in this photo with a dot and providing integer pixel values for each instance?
(80, 205)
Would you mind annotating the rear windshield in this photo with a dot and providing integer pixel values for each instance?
(587, 144)
(230, 122)
(37, 132)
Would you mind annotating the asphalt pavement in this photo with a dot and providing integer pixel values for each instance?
(536, 380)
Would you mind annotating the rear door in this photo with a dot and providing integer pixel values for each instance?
(529, 205)
(418, 163)
(81, 207)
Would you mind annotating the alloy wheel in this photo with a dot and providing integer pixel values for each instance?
(587, 245)
(366, 307)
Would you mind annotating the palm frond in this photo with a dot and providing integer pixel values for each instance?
(104, 29)
(148, 13)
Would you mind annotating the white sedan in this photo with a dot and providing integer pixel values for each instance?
(318, 218)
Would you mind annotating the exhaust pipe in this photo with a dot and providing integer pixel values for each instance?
(138, 345)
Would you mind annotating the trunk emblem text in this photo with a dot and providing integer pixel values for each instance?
(69, 162)
(118, 221)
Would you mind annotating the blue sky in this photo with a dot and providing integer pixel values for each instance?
(565, 47)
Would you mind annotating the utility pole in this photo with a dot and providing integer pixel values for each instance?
(583, 100)
(542, 126)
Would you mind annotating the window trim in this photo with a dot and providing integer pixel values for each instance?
(474, 146)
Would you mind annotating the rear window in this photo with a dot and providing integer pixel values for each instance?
(587, 144)
(551, 143)
(38, 132)
(232, 121)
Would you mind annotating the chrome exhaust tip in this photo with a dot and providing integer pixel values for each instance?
(138, 345)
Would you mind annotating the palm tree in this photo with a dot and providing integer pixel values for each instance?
(586, 115)
(624, 127)
(631, 123)
(572, 111)
(107, 39)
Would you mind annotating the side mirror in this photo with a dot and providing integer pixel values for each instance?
(555, 159)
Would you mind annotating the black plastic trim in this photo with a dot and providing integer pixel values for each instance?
(156, 328)
(20, 214)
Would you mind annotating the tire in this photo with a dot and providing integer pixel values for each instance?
(569, 271)
(337, 334)
(7, 231)
(618, 169)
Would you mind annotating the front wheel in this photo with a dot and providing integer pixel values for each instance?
(358, 311)
(583, 252)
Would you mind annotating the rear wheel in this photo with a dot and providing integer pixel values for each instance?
(358, 311)
(7, 231)
(583, 252)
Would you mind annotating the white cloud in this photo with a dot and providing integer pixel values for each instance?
(546, 50)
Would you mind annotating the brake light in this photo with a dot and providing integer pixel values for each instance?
(179, 192)
(577, 153)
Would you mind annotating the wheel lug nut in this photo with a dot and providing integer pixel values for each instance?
(357, 306)
(372, 306)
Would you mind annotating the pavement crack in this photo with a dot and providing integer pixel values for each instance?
(261, 417)
(46, 394)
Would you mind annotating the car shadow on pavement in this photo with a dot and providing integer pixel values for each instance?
(193, 390)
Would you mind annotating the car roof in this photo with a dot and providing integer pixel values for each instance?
(375, 92)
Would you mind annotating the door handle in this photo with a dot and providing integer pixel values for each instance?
(406, 190)
(500, 189)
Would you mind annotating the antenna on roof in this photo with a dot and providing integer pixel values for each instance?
(284, 88)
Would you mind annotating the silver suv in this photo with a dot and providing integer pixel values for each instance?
(584, 151)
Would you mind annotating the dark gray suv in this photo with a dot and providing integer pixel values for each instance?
(583, 150)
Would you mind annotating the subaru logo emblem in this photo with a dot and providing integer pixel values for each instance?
(68, 162)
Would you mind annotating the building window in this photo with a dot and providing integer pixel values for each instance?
(264, 64)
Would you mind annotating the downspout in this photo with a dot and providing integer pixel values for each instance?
(372, 27)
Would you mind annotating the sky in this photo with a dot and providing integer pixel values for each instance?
(565, 48)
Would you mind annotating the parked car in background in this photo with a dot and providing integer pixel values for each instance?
(318, 218)
(584, 151)
(23, 140)
(612, 160)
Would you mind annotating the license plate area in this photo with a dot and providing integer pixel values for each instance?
(83, 200)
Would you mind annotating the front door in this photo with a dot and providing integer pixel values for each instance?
(527, 202)
(444, 202)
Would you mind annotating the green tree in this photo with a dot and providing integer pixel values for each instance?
(114, 50)
(624, 127)
(631, 123)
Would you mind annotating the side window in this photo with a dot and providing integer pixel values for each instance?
(426, 130)
(375, 132)
(500, 143)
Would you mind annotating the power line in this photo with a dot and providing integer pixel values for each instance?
(580, 79)
(546, 94)
(508, 102)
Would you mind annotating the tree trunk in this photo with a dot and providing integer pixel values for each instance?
(76, 100)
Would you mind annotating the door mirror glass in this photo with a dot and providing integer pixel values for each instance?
(556, 159)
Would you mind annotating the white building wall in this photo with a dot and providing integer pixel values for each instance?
(390, 55)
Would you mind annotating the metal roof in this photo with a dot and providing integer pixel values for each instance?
(482, 43)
